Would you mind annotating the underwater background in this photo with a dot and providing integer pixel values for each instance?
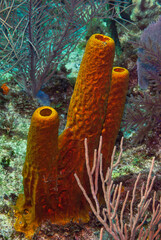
(41, 48)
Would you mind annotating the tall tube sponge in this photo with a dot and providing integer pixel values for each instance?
(39, 172)
(85, 118)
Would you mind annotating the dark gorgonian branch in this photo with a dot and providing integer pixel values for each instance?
(44, 33)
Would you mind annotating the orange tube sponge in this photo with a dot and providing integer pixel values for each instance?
(91, 88)
(115, 107)
(40, 170)
(85, 119)
(88, 104)
(96, 107)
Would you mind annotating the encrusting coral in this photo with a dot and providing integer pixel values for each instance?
(50, 189)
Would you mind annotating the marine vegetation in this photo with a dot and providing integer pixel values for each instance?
(42, 34)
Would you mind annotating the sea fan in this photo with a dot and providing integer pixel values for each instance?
(143, 112)
(149, 56)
